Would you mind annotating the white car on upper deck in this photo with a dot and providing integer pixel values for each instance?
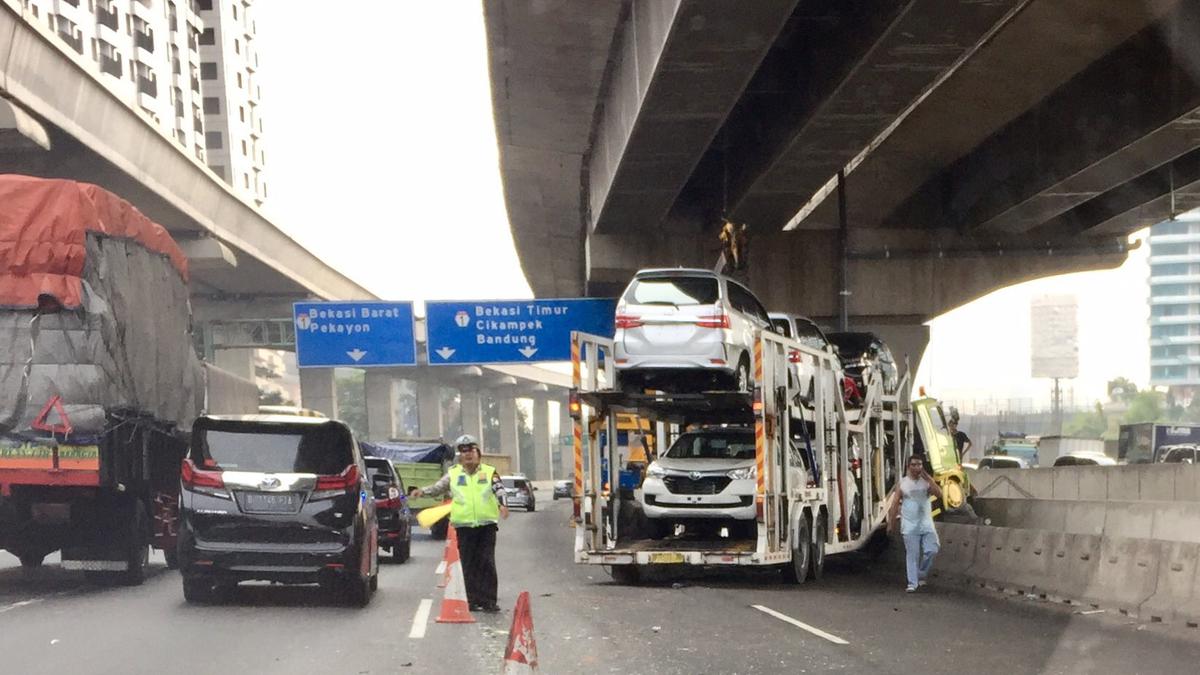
(686, 330)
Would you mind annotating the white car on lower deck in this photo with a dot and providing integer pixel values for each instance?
(709, 473)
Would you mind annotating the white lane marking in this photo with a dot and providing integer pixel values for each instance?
(441, 568)
(800, 624)
(421, 619)
(23, 603)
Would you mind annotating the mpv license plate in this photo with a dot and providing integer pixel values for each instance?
(270, 502)
(666, 557)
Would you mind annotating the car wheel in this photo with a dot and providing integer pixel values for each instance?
(627, 575)
(172, 557)
(199, 590)
(818, 551)
(796, 572)
(532, 507)
(743, 383)
(374, 583)
(401, 551)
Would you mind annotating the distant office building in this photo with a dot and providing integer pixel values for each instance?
(1175, 306)
(233, 123)
(150, 53)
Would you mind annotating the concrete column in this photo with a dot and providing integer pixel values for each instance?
(429, 407)
(472, 412)
(510, 441)
(240, 362)
(542, 443)
(564, 454)
(318, 390)
(381, 404)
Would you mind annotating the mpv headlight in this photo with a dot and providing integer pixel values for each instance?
(655, 470)
(742, 474)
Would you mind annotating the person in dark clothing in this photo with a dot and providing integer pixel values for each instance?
(962, 442)
(478, 506)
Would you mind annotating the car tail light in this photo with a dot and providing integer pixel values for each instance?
(714, 321)
(393, 492)
(628, 321)
(329, 487)
(195, 478)
(855, 464)
(794, 356)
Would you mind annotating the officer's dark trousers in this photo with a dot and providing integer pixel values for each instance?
(477, 549)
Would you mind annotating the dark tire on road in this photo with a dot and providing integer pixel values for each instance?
(626, 575)
(817, 554)
(199, 591)
(31, 561)
(172, 557)
(440, 529)
(796, 572)
(531, 508)
(137, 554)
(356, 591)
(401, 551)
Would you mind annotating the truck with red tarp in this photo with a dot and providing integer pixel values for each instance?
(99, 378)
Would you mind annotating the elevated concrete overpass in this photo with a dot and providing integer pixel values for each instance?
(981, 143)
(59, 120)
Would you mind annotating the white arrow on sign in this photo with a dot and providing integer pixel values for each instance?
(528, 352)
(445, 353)
(357, 354)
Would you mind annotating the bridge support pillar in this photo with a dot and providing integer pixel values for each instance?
(240, 362)
(429, 407)
(510, 439)
(318, 390)
(564, 450)
(542, 462)
(381, 404)
(471, 404)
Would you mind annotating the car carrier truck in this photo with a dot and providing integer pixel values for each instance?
(821, 471)
(99, 379)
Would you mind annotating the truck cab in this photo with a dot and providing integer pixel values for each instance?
(941, 456)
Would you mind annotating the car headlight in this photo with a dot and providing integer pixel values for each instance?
(742, 474)
(656, 471)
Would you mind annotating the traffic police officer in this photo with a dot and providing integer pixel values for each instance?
(478, 505)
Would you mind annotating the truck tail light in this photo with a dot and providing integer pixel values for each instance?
(714, 321)
(628, 321)
(574, 407)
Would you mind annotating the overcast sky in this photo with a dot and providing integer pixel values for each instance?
(382, 160)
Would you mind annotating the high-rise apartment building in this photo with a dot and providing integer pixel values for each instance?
(152, 54)
(229, 81)
(1175, 306)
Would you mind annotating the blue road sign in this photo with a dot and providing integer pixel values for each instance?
(354, 334)
(512, 331)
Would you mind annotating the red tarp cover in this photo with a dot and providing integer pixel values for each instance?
(43, 224)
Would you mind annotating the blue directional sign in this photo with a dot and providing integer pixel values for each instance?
(354, 334)
(512, 331)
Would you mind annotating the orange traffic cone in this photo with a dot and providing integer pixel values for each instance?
(454, 602)
(444, 568)
(521, 654)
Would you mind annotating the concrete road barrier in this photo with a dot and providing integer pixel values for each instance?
(1177, 595)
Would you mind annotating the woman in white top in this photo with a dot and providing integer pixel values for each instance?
(916, 521)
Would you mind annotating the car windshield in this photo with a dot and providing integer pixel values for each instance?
(673, 290)
(710, 445)
(323, 449)
(378, 469)
(809, 335)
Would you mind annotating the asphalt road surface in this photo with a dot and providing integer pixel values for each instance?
(51, 621)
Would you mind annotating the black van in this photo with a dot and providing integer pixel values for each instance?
(276, 498)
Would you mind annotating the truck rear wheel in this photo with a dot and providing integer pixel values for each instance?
(137, 555)
(796, 572)
(818, 550)
(626, 575)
